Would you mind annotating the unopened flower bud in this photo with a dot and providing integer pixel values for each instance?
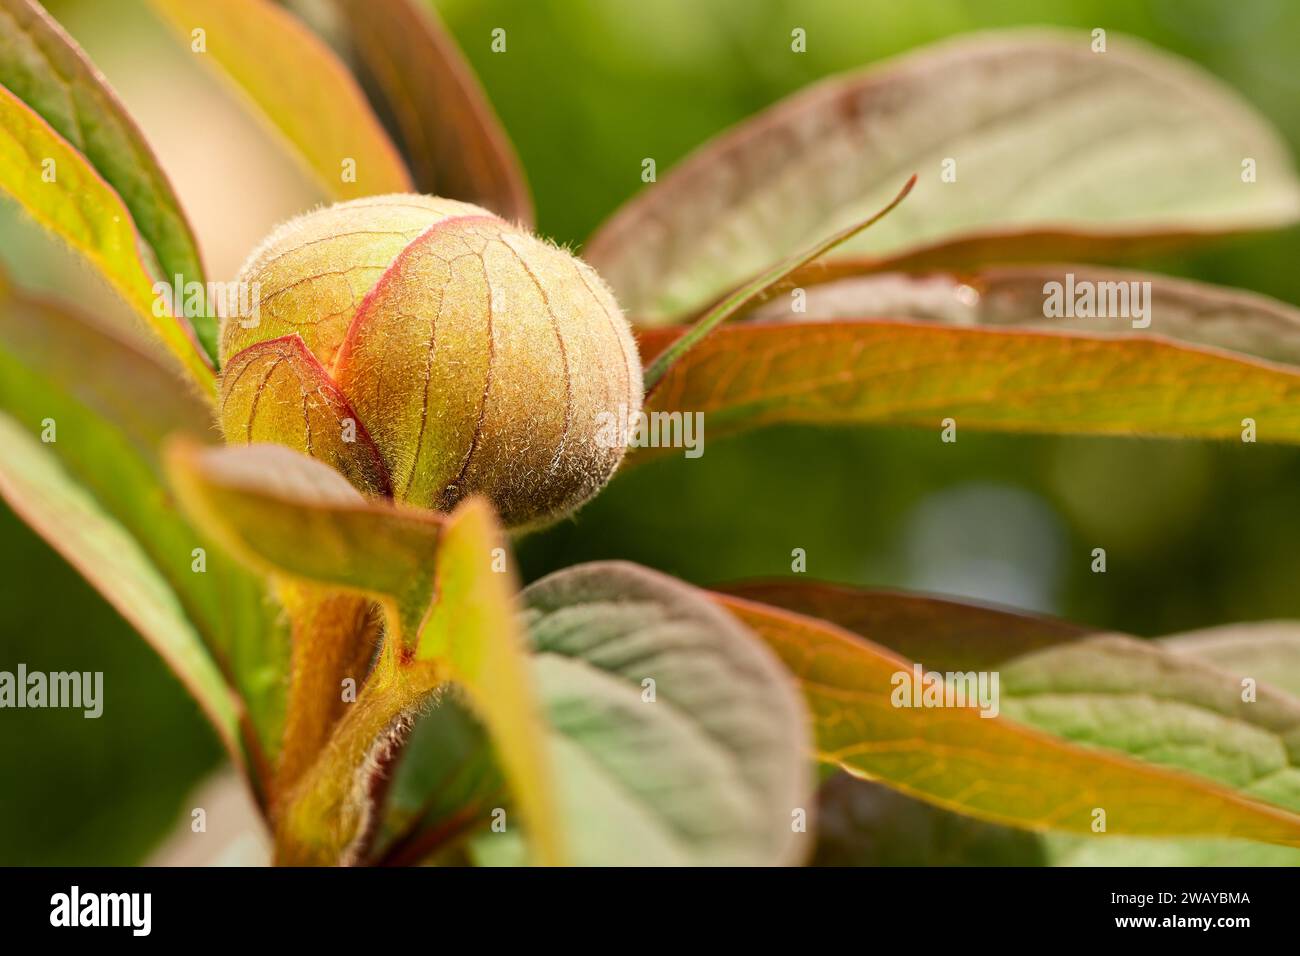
(429, 350)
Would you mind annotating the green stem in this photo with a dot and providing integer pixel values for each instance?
(328, 813)
(752, 290)
(333, 640)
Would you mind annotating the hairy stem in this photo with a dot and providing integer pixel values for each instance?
(326, 816)
(334, 638)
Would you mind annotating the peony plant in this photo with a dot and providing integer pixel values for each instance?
(304, 497)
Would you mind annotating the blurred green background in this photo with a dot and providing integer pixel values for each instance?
(1196, 534)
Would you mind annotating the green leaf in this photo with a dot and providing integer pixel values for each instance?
(472, 629)
(43, 494)
(301, 88)
(83, 210)
(445, 787)
(1267, 651)
(1175, 696)
(434, 105)
(111, 406)
(978, 350)
(991, 767)
(1056, 149)
(1109, 690)
(46, 69)
(1271, 651)
(1168, 709)
(706, 765)
(865, 824)
(1064, 850)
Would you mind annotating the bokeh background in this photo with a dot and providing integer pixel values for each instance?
(1197, 534)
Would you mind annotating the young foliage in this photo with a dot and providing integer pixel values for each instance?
(432, 104)
(42, 66)
(980, 348)
(677, 738)
(608, 714)
(301, 88)
(984, 122)
(61, 190)
(449, 618)
(988, 766)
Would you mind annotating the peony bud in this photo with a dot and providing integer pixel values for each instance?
(429, 350)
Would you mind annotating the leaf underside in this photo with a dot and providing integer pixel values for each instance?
(1005, 772)
(864, 823)
(1025, 142)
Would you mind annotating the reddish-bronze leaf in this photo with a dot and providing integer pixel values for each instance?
(989, 767)
(434, 106)
(941, 633)
(918, 373)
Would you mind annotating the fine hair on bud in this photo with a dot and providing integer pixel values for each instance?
(429, 350)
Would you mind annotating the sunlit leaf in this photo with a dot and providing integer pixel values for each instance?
(990, 767)
(290, 514)
(863, 823)
(1267, 651)
(888, 372)
(1026, 142)
(83, 210)
(301, 88)
(1066, 850)
(473, 630)
(47, 70)
(1101, 301)
(1110, 690)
